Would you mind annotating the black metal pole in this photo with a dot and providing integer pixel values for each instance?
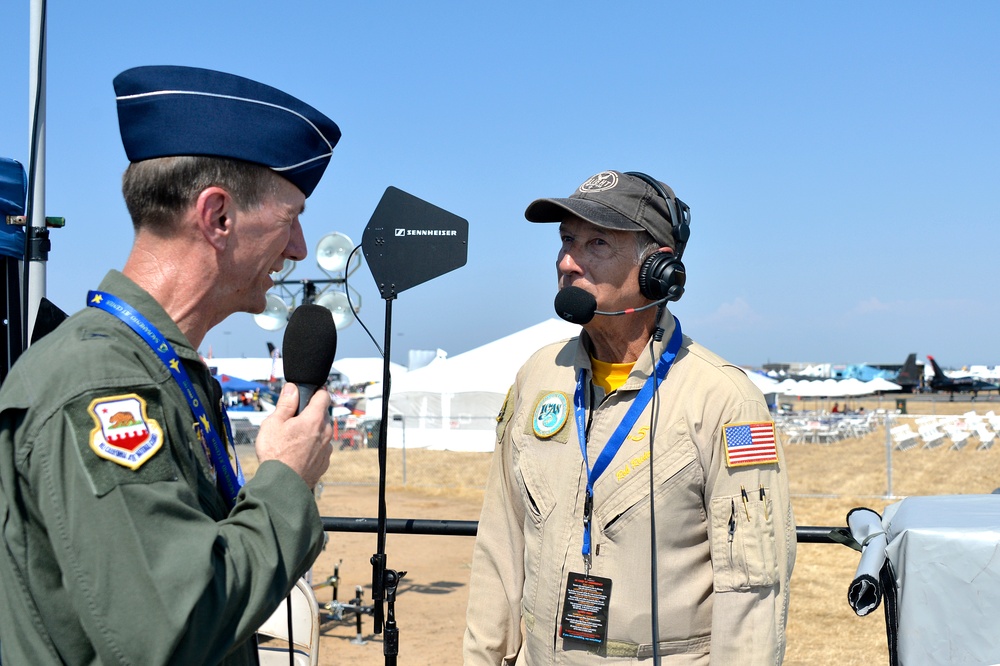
(384, 580)
(803, 533)
(383, 429)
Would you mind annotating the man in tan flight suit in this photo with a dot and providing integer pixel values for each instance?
(564, 570)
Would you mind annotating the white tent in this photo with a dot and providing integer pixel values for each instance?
(354, 370)
(769, 386)
(763, 382)
(452, 403)
(366, 370)
(853, 387)
(252, 369)
(879, 384)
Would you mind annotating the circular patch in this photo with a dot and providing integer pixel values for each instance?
(600, 182)
(551, 412)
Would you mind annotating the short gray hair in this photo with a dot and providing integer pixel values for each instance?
(645, 245)
(157, 190)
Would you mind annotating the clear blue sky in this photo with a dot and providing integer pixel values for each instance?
(840, 159)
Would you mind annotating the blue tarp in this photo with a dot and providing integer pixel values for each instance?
(230, 383)
(13, 194)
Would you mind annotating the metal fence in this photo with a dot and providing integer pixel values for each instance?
(864, 453)
(863, 450)
(355, 454)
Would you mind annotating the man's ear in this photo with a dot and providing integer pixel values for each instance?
(214, 210)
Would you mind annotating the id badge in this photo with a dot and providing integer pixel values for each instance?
(585, 609)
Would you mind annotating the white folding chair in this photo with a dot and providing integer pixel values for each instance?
(904, 437)
(957, 433)
(305, 629)
(986, 437)
(932, 437)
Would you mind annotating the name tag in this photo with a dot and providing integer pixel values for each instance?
(585, 610)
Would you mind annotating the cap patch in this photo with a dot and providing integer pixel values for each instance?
(550, 414)
(750, 444)
(605, 180)
(124, 433)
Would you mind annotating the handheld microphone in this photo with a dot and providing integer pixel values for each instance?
(578, 306)
(309, 346)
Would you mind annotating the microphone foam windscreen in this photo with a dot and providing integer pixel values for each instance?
(309, 345)
(575, 305)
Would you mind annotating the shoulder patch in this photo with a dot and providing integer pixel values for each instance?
(750, 444)
(550, 414)
(503, 407)
(124, 433)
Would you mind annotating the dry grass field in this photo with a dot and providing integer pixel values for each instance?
(826, 481)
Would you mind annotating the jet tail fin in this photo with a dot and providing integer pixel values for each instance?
(938, 372)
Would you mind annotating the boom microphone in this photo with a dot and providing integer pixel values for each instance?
(309, 346)
(578, 306)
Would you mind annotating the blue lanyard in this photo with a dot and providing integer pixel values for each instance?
(232, 480)
(621, 432)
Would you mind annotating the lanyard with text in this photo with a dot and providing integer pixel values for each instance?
(231, 480)
(621, 432)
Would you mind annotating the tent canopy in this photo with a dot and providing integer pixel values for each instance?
(490, 368)
(832, 388)
(230, 383)
(452, 403)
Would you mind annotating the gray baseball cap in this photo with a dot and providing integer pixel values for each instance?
(613, 200)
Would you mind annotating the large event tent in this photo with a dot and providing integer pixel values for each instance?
(452, 403)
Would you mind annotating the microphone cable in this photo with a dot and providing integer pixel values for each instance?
(626, 311)
(654, 586)
(355, 311)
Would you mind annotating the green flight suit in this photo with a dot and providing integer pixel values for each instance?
(105, 564)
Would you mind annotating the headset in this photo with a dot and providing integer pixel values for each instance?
(662, 274)
(661, 278)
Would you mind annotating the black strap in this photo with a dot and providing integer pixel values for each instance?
(887, 581)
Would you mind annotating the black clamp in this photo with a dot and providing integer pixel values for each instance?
(39, 244)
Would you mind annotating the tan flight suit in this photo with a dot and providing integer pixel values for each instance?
(723, 565)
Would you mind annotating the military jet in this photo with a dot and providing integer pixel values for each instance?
(953, 385)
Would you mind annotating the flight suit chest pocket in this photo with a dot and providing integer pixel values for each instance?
(530, 466)
(625, 488)
(743, 544)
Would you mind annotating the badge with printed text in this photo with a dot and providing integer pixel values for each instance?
(585, 609)
(124, 433)
(550, 415)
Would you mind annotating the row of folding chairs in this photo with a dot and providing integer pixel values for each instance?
(825, 428)
(935, 431)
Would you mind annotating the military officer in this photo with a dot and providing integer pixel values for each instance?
(129, 534)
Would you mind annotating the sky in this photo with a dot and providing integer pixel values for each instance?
(840, 159)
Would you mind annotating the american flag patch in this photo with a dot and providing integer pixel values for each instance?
(750, 444)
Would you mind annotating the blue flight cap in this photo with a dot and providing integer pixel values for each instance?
(167, 110)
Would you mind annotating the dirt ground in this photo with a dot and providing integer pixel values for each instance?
(431, 597)
(827, 481)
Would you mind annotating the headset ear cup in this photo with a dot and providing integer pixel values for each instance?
(676, 277)
(662, 276)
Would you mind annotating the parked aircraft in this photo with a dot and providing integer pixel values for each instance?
(942, 382)
(909, 375)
